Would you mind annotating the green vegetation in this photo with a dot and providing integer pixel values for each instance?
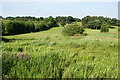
(72, 29)
(105, 27)
(56, 56)
(20, 25)
(95, 22)
(50, 54)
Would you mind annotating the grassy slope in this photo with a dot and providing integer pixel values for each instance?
(101, 46)
(55, 33)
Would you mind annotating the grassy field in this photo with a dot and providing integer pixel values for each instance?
(49, 54)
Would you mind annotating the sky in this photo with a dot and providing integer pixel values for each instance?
(59, 0)
(69, 8)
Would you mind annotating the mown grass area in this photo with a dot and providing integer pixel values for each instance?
(49, 54)
(55, 33)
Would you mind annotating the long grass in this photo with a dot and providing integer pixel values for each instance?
(49, 54)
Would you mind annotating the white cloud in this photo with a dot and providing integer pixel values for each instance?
(59, 0)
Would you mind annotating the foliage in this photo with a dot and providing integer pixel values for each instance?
(71, 29)
(70, 19)
(15, 27)
(27, 24)
(93, 56)
(40, 60)
(104, 27)
(63, 23)
(96, 21)
(49, 54)
(84, 34)
(40, 27)
(3, 28)
(96, 24)
(29, 27)
(118, 28)
(85, 20)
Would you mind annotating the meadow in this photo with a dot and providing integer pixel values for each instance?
(49, 54)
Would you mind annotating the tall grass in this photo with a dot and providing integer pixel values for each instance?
(48, 54)
(71, 60)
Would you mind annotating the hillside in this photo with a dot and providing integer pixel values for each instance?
(50, 54)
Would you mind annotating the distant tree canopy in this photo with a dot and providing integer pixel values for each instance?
(66, 20)
(15, 28)
(95, 22)
(29, 27)
(27, 24)
(1, 17)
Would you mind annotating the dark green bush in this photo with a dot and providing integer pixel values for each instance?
(72, 29)
(63, 23)
(20, 49)
(29, 27)
(104, 27)
(118, 28)
(40, 27)
(96, 24)
(84, 34)
(15, 27)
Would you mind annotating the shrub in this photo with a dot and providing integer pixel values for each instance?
(72, 29)
(84, 34)
(104, 27)
(20, 49)
(118, 28)
(63, 23)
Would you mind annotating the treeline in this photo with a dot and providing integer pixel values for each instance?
(19, 25)
(95, 22)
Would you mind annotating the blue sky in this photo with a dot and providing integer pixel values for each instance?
(45, 9)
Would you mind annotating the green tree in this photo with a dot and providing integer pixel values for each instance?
(70, 19)
(3, 28)
(96, 24)
(85, 20)
(14, 27)
(72, 29)
(40, 27)
(29, 27)
(62, 23)
(105, 27)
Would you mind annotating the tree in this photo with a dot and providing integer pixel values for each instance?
(96, 24)
(72, 29)
(3, 28)
(118, 23)
(113, 22)
(105, 27)
(10, 18)
(41, 18)
(14, 27)
(77, 19)
(40, 27)
(29, 27)
(62, 23)
(85, 20)
(1, 17)
(70, 19)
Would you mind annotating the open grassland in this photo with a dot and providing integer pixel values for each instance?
(49, 54)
